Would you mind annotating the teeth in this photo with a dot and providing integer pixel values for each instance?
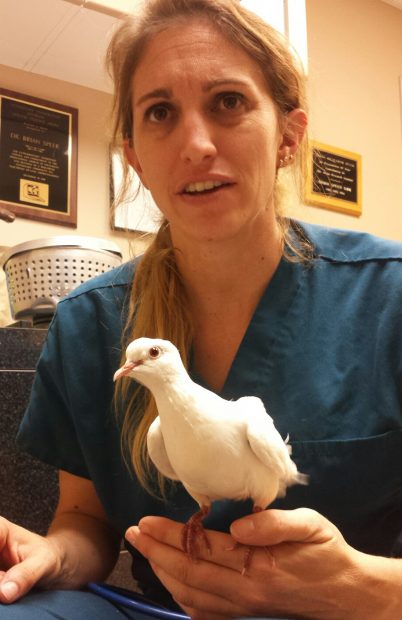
(202, 186)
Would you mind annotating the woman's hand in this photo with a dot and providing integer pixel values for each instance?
(80, 545)
(25, 560)
(302, 567)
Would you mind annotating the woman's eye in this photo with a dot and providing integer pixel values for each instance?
(158, 113)
(230, 101)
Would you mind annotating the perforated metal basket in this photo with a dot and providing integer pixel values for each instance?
(40, 272)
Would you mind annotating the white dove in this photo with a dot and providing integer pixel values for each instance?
(218, 449)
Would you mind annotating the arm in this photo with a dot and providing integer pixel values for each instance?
(309, 572)
(79, 547)
(85, 543)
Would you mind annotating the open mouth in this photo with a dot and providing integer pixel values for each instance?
(204, 187)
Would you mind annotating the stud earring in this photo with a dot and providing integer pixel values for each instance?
(286, 160)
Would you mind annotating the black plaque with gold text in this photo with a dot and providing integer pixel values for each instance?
(334, 180)
(38, 158)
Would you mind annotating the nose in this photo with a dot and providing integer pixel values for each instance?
(197, 139)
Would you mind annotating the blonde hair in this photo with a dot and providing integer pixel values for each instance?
(158, 303)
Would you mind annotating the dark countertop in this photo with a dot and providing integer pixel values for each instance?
(28, 489)
(20, 347)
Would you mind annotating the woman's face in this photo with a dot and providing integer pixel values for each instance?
(206, 134)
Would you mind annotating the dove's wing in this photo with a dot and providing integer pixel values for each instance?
(157, 451)
(265, 441)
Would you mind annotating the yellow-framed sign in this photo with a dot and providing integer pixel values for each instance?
(334, 179)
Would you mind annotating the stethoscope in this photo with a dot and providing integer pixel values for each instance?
(134, 600)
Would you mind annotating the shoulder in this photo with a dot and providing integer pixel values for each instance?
(121, 276)
(100, 293)
(95, 311)
(347, 246)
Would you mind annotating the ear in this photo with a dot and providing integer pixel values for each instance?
(132, 159)
(295, 124)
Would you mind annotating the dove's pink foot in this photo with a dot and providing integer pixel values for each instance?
(250, 550)
(192, 530)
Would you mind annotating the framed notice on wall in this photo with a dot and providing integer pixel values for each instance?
(38, 158)
(138, 211)
(334, 179)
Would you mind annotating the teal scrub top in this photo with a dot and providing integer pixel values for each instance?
(323, 351)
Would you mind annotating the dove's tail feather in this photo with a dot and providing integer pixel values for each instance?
(288, 446)
(301, 479)
(295, 477)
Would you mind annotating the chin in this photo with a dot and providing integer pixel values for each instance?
(217, 229)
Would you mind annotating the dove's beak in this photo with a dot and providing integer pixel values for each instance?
(125, 370)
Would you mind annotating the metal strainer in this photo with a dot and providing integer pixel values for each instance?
(40, 272)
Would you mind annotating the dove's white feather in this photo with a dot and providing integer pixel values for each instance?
(157, 450)
(218, 449)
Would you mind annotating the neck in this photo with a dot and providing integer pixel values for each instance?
(225, 282)
(233, 271)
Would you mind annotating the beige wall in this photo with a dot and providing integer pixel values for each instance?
(355, 56)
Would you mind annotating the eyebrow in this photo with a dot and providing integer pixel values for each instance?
(166, 93)
(224, 82)
(159, 93)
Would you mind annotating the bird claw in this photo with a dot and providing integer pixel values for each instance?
(192, 531)
(247, 557)
(250, 550)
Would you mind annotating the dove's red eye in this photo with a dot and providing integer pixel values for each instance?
(154, 352)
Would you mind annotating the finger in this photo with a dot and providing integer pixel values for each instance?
(19, 579)
(272, 527)
(8, 551)
(204, 575)
(176, 561)
(202, 603)
(165, 530)
(16, 582)
(169, 532)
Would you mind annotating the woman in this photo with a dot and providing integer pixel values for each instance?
(209, 105)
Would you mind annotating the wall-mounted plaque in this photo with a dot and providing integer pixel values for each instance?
(334, 179)
(38, 158)
(138, 211)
